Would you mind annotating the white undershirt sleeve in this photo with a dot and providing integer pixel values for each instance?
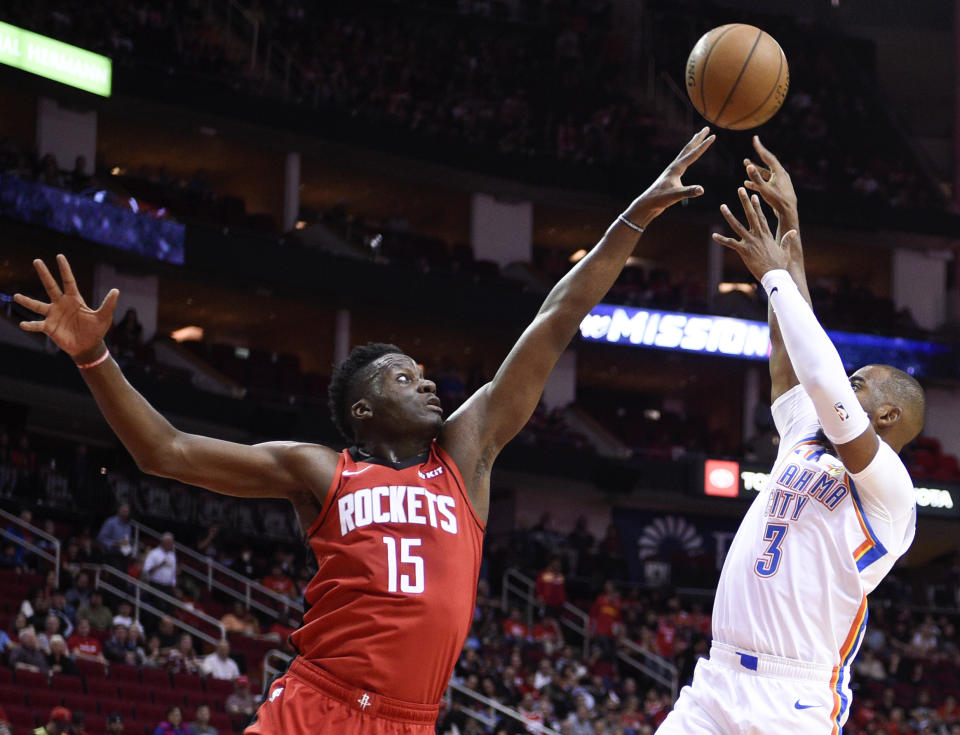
(815, 361)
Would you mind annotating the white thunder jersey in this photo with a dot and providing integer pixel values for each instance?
(813, 544)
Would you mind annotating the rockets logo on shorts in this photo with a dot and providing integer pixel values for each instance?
(841, 411)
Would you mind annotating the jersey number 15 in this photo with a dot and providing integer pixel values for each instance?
(410, 583)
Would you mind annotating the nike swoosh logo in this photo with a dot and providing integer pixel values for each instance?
(797, 705)
(350, 473)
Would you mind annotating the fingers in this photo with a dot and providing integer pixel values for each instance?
(761, 217)
(66, 275)
(762, 173)
(109, 304)
(766, 156)
(748, 210)
(734, 223)
(47, 279)
(694, 149)
(32, 326)
(790, 239)
(729, 242)
(36, 306)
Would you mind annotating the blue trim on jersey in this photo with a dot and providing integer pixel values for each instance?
(850, 656)
(748, 662)
(878, 549)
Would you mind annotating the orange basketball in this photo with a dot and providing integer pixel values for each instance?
(737, 76)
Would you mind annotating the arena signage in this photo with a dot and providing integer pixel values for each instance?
(705, 334)
(669, 330)
(55, 60)
(927, 498)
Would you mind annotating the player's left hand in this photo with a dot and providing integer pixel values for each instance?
(668, 189)
(757, 246)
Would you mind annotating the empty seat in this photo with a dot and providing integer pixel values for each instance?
(63, 684)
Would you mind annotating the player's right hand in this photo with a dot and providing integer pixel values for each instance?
(772, 183)
(72, 325)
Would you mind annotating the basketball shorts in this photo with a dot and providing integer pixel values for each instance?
(309, 701)
(736, 692)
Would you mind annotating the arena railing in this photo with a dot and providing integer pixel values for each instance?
(141, 596)
(656, 667)
(488, 722)
(52, 557)
(209, 571)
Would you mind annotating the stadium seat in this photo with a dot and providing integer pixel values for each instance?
(156, 678)
(221, 721)
(91, 669)
(220, 687)
(137, 692)
(96, 723)
(31, 679)
(81, 703)
(122, 706)
(11, 694)
(44, 699)
(151, 713)
(6, 676)
(102, 688)
(20, 716)
(63, 683)
(124, 672)
(188, 682)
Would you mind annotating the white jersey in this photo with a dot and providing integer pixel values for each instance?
(813, 544)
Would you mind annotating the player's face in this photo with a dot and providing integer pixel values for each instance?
(404, 399)
(864, 382)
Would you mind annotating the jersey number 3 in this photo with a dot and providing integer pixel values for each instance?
(769, 562)
(410, 583)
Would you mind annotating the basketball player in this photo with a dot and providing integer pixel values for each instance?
(836, 513)
(396, 521)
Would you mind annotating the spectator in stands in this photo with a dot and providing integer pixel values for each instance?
(95, 612)
(173, 723)
(4, 723)
(202, 726)
(242, 701)
(57, 724)
(606, 619)
(78, 724)
(155, 654)
(240, 620)
(279, 582)
(115, 648)
(114, 724)
(6, 643)
(51, 627)
(514, 628)
(551, 588)
(184, 658)
(66, 613)
(166, 633)
(79, 595)
(115, 538)
(124, 614)
(28, 654)
(83, 645)
(125, 339)
(160, 566)
(219, 665)
(206, 545)
(59, 659)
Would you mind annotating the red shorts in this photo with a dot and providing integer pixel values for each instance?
(309, 701)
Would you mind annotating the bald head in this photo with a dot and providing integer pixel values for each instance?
(895, 402)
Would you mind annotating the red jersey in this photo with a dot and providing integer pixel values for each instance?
(398, 555)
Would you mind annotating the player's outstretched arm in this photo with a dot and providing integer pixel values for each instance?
(497, 412)
(815, 360)
(773, 184)
(275, 469)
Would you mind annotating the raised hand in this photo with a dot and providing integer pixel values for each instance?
(757, 247)
(668, 189)
(772, 183)
(73, 326)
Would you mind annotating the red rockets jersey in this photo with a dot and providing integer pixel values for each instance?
(398, 552)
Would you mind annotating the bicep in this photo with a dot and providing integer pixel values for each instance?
(267, 470)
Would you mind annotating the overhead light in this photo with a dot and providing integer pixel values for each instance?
(300, 225)
(578, 256)
(116, 171)
(728, 287)
(187, 334)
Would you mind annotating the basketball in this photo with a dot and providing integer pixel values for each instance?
(737, 76)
